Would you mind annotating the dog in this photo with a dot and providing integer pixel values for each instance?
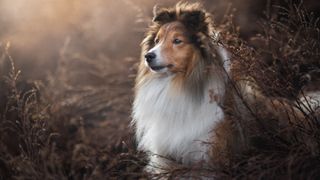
(184, 84)
(180, 87)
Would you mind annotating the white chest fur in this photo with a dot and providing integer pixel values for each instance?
(171, 123)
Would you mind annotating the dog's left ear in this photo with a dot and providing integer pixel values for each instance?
(195, 20)
(162, 15)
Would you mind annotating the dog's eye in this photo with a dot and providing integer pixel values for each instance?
(176, 41)
(156, 41)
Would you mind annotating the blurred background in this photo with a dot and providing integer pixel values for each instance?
(39, 30)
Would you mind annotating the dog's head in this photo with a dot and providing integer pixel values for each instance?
(179, 39)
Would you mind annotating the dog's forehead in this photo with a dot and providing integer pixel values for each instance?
(172, 27)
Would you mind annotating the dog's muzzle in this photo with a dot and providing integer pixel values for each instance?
(151, 61)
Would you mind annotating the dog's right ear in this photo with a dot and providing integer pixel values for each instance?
(162, 15)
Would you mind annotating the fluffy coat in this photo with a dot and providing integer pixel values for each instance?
(174, 114)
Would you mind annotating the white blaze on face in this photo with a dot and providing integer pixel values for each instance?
(159, 61)
(157, 50)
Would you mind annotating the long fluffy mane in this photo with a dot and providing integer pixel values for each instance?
(198, 23)
(175, 113)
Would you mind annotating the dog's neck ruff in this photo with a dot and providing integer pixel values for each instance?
(171, 123)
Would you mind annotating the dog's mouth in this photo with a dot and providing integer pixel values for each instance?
(157, 68)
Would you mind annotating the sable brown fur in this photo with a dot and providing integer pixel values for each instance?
(195, 19)
(203, 71)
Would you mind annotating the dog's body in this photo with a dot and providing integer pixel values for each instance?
(183, 88)
(180, 87)
(170, 122)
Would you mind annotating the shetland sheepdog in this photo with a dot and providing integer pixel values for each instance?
(180, 87)
(183, 87)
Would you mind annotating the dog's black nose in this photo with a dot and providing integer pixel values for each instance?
(150, 57)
